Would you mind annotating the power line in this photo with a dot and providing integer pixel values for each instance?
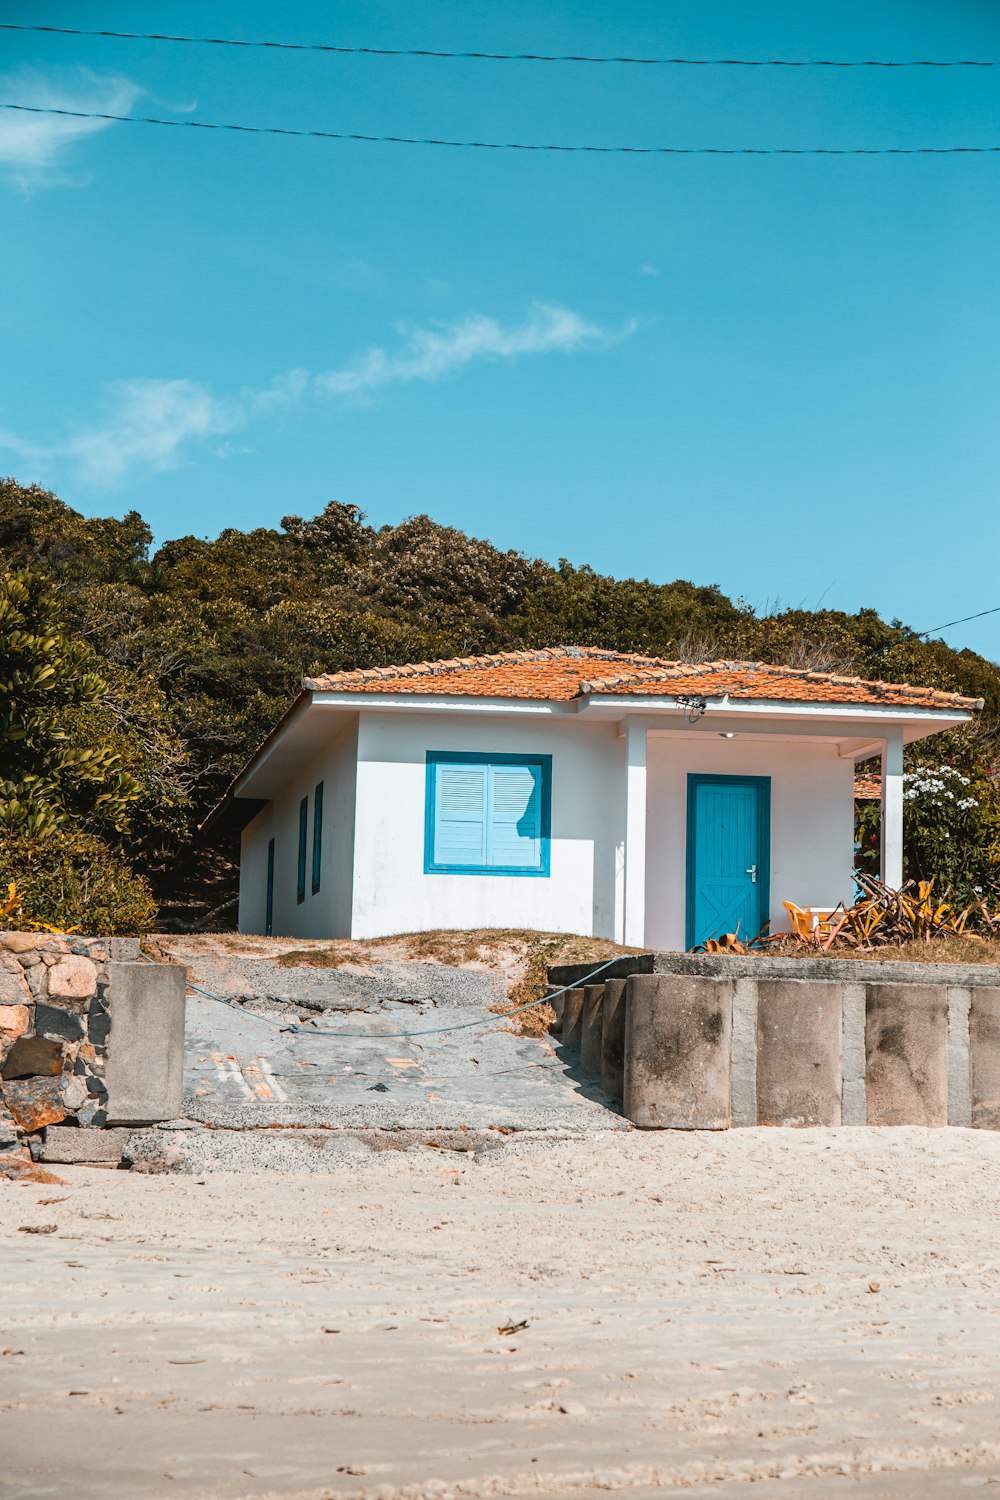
(963, 621)
(407, 140)
(544, 57)
(919, 635)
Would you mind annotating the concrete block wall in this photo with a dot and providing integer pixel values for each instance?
(90, 1037)
(708, 1042)
(678, 1046)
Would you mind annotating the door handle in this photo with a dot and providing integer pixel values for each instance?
(752, 872)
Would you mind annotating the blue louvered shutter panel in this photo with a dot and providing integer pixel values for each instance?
(460, 814)
(514, 832)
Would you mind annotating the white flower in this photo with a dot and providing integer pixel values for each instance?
(938, 787)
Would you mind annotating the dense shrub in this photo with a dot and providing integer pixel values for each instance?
(55, 770)
(73, 882)
(951, 818)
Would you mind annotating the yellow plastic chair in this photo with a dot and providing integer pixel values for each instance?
(812, 922)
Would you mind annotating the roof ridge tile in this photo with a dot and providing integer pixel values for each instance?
(561, 672)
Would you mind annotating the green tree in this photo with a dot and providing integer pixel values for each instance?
(75, 883)
(951, 814)
(53, 774)
(422, 571)
(577, 606)
(38, 530)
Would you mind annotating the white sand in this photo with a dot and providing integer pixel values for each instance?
(698, 1306)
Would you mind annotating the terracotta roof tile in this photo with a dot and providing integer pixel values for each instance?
(561, 673)
(867, 788)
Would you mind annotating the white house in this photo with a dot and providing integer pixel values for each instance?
(568, 789)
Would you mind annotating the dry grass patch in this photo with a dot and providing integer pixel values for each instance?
(455, 949)
(951, 948)
(944, 948)
(541, 951)
(523, 957)
(332, 957)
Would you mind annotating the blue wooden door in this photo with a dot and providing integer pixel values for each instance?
(728, 856)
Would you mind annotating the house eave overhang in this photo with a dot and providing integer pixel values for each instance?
(223, 818)
(450, 702)
(251, 784)
(616, 705)
(852, 724)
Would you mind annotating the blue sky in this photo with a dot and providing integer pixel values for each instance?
(776, 374)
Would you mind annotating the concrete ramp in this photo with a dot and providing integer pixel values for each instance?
(318, 1059)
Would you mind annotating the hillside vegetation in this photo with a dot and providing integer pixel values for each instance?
(190, 653)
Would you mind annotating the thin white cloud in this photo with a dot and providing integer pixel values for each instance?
(30, 452)
(284, 391)
(649, 270)
(154, 425)
(34, 148)
(149, 423)
(432, 354)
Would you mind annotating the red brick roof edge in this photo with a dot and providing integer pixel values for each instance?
(567, 672)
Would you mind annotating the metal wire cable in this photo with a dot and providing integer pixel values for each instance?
(406, 140)
(492, 1019)
(963, 621)
(920, 635)
(543, 57)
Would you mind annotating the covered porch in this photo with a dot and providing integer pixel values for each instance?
(729, 812)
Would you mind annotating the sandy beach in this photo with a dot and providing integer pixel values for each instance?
(815, 1313)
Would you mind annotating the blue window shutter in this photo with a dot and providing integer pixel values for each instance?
(514, 825)
(317, 861)
(459, 814)
(487, 814)
(300, 869)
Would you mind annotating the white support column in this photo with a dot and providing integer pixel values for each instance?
(635, 835)
(891, 832)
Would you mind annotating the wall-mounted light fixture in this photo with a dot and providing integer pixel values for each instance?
(727, 734)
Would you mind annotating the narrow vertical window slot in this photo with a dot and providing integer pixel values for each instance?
(317, 851)
(300, 883)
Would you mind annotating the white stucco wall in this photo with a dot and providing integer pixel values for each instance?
(391, 891)
(253, 872)
(374, 775)
(327, 914)
(812, 823)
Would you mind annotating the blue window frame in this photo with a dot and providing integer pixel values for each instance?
(300, 874)
(487, 814)
(317, 836)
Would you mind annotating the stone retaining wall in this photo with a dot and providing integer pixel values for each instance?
(63, 1063)
(711, 1041)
